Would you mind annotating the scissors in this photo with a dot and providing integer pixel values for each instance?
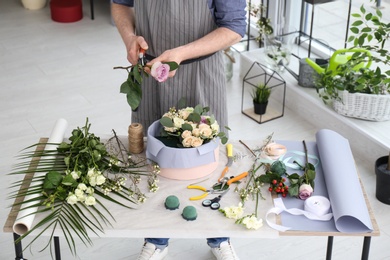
(206, 191)
(214, 203)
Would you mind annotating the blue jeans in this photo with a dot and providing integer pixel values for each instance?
(161, 243)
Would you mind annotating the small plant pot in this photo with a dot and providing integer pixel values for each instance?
(260, 108)
(382, 180)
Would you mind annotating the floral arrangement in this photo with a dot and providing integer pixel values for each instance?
(70, 183)
(190, 127)
(132, 86)
(300, 186)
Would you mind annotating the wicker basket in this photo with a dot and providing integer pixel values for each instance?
(363, 106)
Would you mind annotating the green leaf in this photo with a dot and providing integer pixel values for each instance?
(166, 122)
(135, 74)
(186, 127)
(68, 180)
(357, 23)
(194, 117)
(172, 65)
(52, 180)
(134, 95)
(125, 87)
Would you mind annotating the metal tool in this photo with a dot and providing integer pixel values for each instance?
(206, 191)
(214, 203)
(226, 181)
(142, 57)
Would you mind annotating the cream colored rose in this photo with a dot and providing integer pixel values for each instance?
(206, 131)
(184, 113)
(196, 132)
(187, 141)
(196, 142)
(170, 129)
(186, 134)
(90, 201)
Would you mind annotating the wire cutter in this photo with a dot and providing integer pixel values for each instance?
(223, 181)
(206, 191)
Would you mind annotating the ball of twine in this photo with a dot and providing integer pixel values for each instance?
(136, 138)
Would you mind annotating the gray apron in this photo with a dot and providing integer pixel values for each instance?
(166, 25)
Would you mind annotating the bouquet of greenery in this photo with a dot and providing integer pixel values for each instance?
(69, 184)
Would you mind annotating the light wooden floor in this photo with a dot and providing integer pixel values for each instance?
(50, 70)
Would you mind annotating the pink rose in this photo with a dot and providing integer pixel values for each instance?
(305, 191)
(160, 71)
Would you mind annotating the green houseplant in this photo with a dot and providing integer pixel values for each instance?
(361, 92)
(260, 95)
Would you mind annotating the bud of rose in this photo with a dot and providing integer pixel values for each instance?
(305, 191)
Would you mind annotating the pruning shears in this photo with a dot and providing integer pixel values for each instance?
(223, 181)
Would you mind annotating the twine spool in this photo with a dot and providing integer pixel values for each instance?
(136, 138)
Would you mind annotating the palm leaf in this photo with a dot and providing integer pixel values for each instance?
(74, 220)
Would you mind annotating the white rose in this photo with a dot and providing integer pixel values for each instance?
(196, 142)
(215, 127)
(91, 172)
(187, 141)
(89, 190)
(92, 180)
(71, 199)
(100, 179)
(75, 175)
(78, 193)
(234, 212)
(82, 186)
(186, 134)
(90, 201)
(178, 122)
(252, 222)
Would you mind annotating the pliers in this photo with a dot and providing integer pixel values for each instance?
(206, 191)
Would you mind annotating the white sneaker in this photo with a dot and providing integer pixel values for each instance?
(151, 252)
(225, 251)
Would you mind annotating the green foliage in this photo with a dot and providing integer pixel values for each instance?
(49, 184)
(261, 94)
(370, 33)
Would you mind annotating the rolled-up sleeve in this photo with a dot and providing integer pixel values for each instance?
(230, 14)
(124, 2)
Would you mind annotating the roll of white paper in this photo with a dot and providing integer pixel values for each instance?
(317, 205)
(26, 216)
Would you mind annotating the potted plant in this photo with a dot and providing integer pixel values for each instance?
(358, 91)
(382, 171)
(260, 97)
